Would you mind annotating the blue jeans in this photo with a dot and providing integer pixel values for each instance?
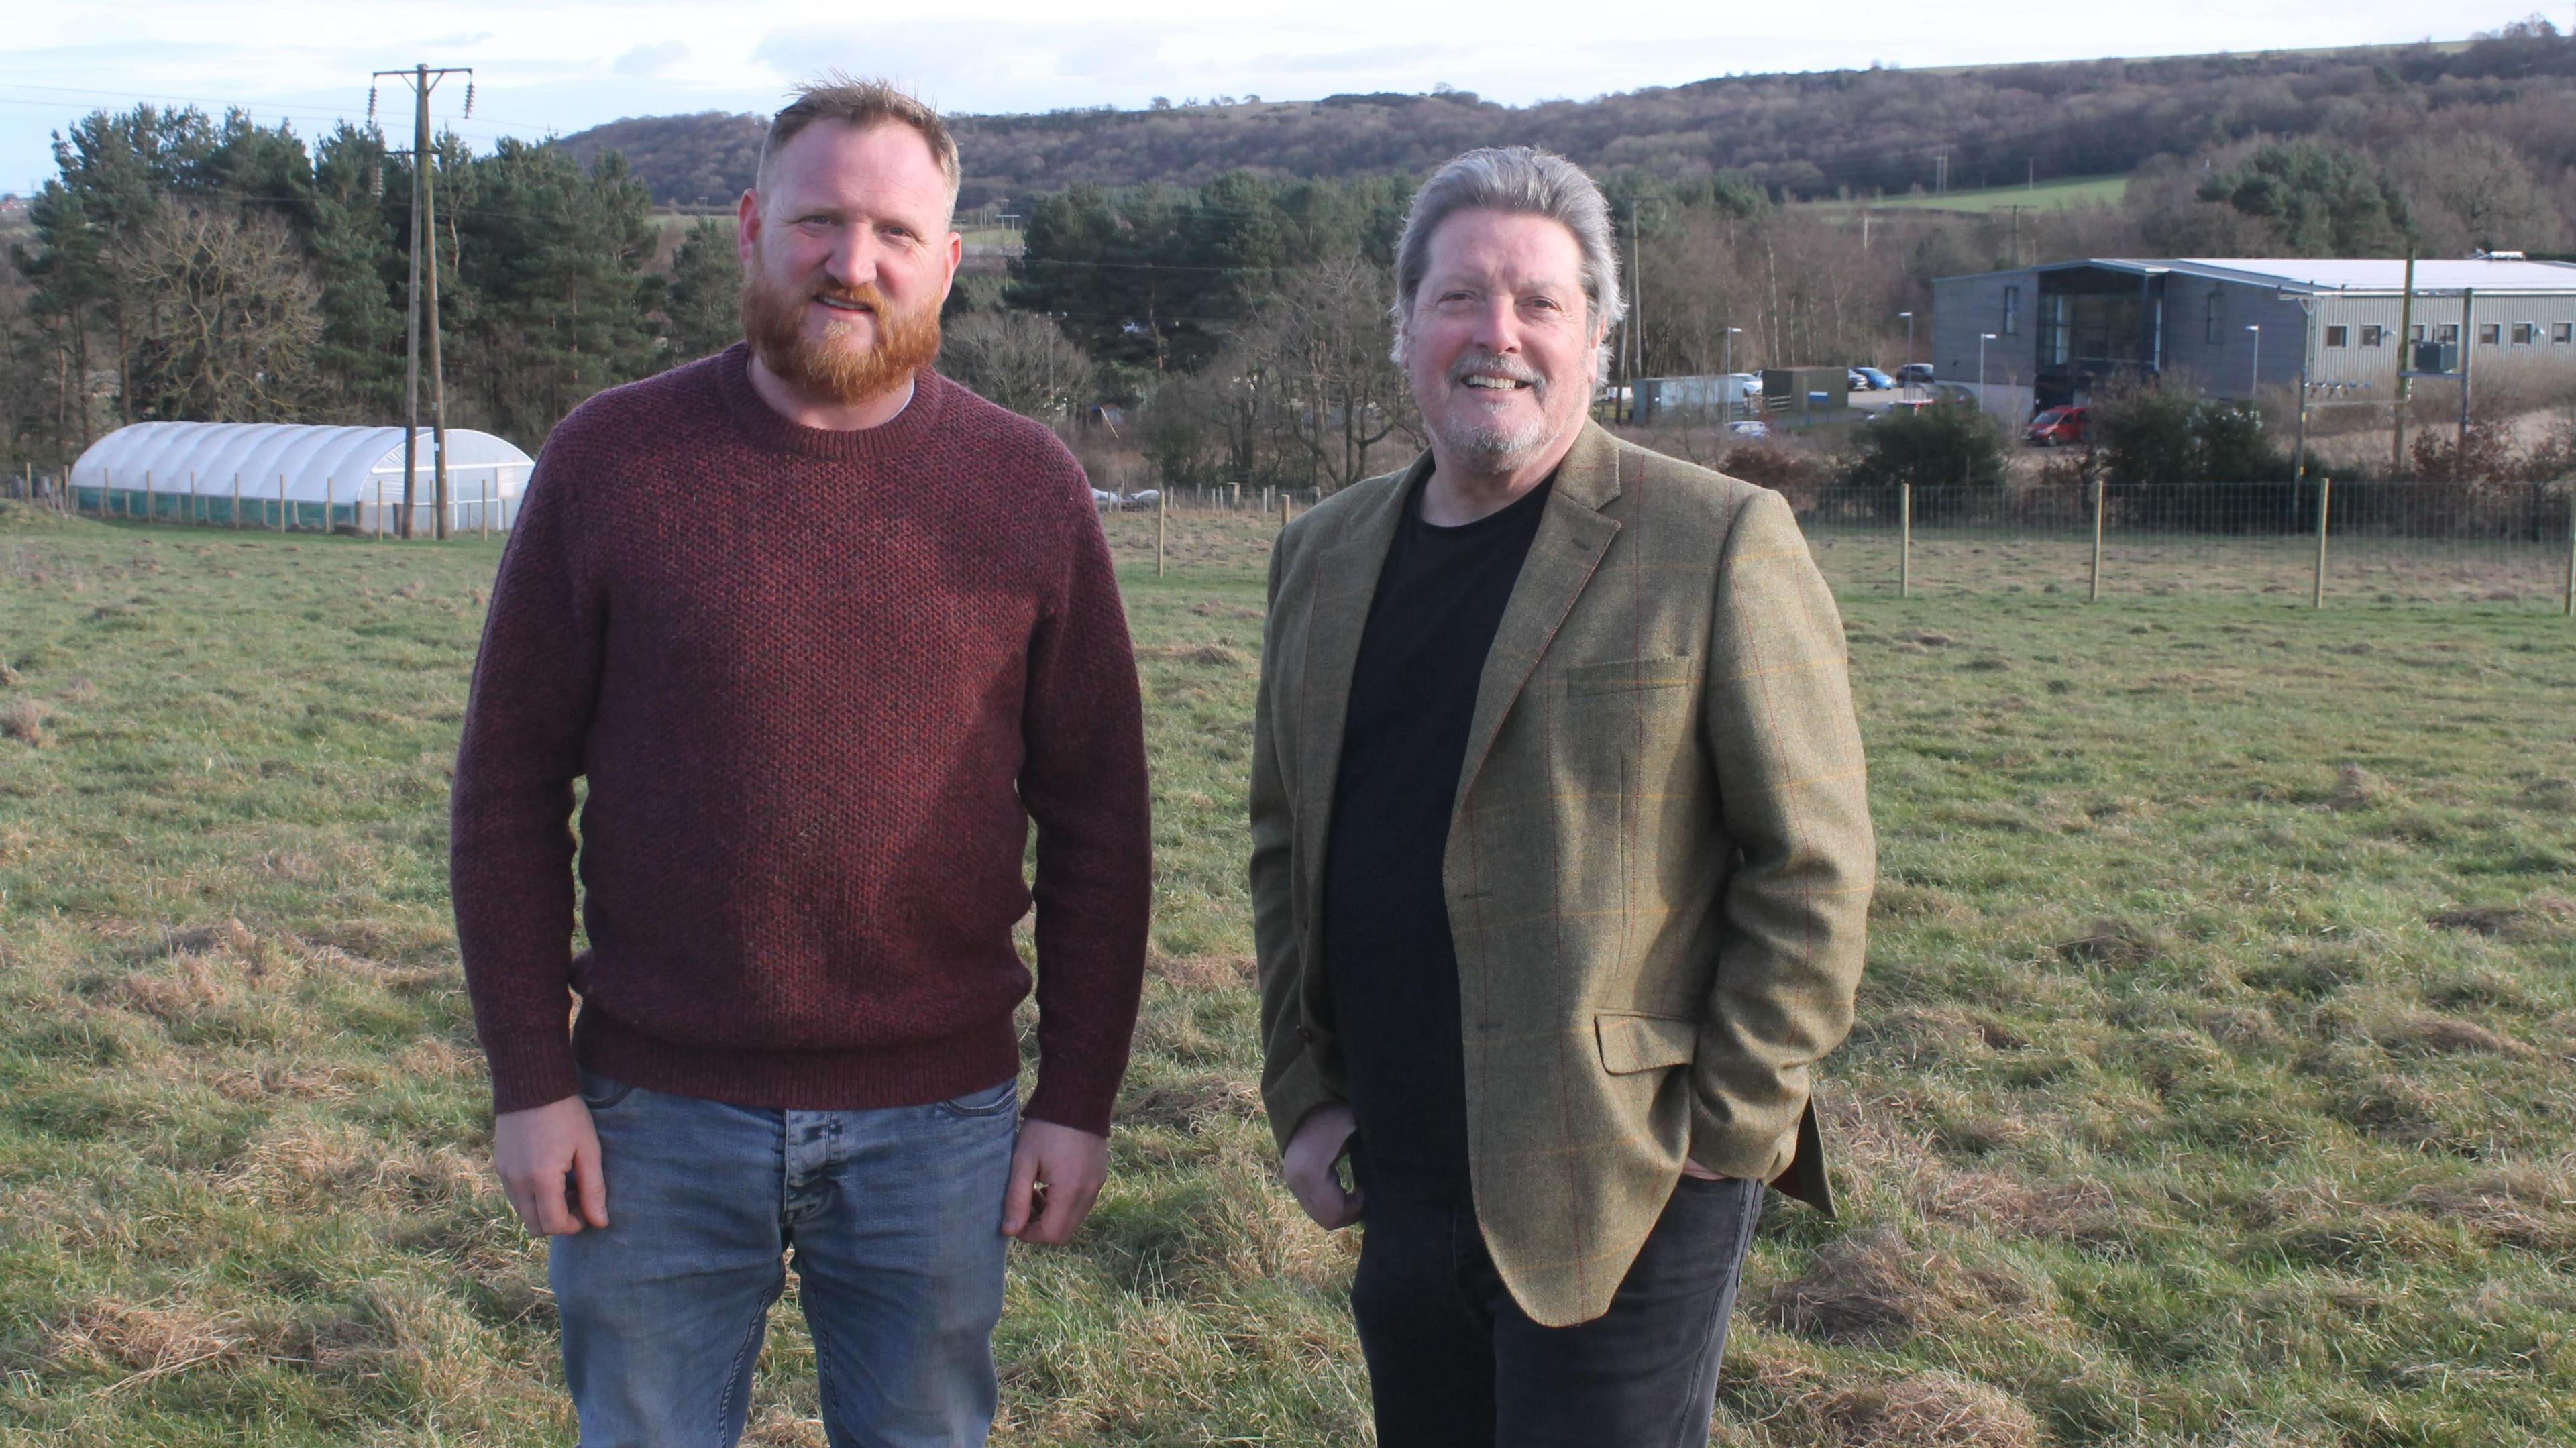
(893, 1218)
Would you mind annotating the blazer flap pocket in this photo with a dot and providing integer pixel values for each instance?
(1663, 671)
(1644, 1043)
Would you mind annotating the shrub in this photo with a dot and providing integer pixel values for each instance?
(1952, 454)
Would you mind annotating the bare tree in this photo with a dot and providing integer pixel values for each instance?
(2467, 189)
(1321, 345)
(228, 318)
(1020, 361)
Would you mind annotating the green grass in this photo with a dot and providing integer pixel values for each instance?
(2212, 1083)
(2047, 196)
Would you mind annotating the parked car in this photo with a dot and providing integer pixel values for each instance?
(1914, 374)
(1878, 381)
(2058, 426)
(1749, 427)
(1903, 404)
(1855, 380)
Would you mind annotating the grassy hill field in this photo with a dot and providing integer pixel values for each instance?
(2212, 1084)
(2048, 196)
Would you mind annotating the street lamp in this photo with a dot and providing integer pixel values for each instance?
(2254, 374)
(1982, 339)
(1909, 349)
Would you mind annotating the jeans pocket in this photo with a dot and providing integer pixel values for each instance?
(991, 1101)
(602, 1092)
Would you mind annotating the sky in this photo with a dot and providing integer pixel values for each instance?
(559, 66)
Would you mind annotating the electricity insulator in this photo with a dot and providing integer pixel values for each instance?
(469, 100)
(371, 105)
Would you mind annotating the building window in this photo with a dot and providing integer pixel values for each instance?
(2012, 311)
(2447, 332)
(2374, 336)
(2217, 315)
(2056, 329)
(2338, 336)
(2563, 332)
(2525, 333)
(2489, 333)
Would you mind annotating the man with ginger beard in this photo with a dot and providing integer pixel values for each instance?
(823, 632)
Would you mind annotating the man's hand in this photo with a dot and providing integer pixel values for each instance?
(1312, 1152)
(535, 1151)
(1056, 1172)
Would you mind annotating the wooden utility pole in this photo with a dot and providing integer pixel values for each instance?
(424, 229)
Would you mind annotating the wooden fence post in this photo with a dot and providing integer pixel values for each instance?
(2325, 501)
(1905, 540)
(2097, 540)
(236, 502)
(151, 499)
(281, 502)
(2571, 551)
(1162, 510)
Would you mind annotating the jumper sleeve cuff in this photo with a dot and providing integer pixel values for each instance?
(531, 1071)
(1083, 1107)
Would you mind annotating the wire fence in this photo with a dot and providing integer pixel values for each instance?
(2388, 543)
(2313, 543)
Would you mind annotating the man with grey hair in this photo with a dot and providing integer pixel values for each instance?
(1561, 854)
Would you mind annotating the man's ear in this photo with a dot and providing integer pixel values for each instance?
(746, 226)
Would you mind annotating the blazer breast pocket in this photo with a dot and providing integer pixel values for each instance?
(1627, 676)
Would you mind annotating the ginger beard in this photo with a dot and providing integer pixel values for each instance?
(826, 367)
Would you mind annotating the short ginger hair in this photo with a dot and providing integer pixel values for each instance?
(860, 105)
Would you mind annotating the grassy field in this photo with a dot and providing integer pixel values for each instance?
(2212, 1084)
(2047, 196)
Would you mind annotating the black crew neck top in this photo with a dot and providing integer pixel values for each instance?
(1389, 959)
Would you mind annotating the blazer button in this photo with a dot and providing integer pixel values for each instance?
(1306, 1034)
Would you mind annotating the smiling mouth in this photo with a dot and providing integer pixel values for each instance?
(1486, 383)
(840, 305)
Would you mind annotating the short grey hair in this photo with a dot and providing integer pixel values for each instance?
(1520, 180)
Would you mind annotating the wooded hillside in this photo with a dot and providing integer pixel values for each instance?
(1799, 136)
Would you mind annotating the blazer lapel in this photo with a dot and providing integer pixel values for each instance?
(1345, 584)
(1572, 536)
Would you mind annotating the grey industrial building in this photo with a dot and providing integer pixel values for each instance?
(2051, 334)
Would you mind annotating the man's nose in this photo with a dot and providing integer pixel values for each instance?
(852, 261)
(1497, 326)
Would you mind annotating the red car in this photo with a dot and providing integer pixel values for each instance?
(2058, 425)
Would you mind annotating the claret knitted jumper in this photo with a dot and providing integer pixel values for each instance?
(820, 683)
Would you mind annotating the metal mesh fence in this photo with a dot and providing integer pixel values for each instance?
(2400, 542)
(2496, 544)
(2389, 543)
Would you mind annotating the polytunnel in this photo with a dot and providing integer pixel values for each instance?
(291, 475)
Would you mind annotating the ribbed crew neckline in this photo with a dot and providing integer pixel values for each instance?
(761, 424)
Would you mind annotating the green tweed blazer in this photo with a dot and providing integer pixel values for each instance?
(1659, 867)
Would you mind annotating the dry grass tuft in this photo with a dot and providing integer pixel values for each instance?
(1191, 1104)
(1937, 1409)
(230, 937)
(2357, 788)
(1202, 972)
(2113, 942)
(24, 721)
(2432, 1033)
(148, 1340)
(779, 1428)
(1871, 1287)
(2516, 1207)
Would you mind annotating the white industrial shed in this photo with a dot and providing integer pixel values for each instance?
(292, 475)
